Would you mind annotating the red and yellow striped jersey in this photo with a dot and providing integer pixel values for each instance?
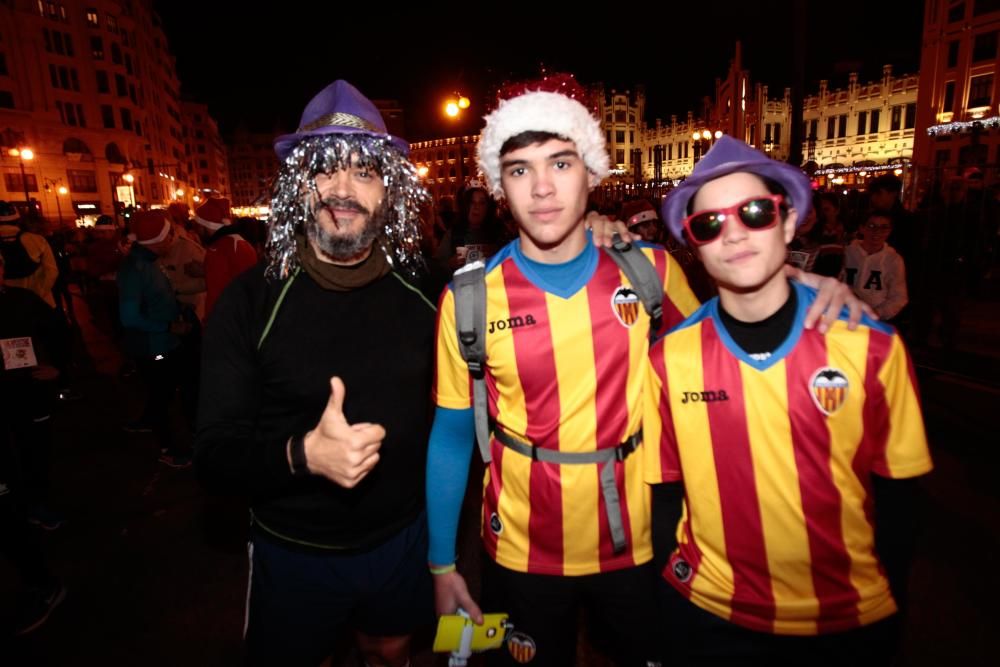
(565, 372)
(776, 457)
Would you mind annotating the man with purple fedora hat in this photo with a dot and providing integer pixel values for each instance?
(316, 383)
(786, 456)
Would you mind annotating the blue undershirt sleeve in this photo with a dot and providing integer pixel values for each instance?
(449, 454)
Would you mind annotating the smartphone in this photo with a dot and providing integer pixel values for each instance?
(452, 628)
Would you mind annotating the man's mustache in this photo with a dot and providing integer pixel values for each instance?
(346, 203)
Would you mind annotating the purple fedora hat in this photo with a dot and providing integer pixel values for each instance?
(340, 108)
(728, 156)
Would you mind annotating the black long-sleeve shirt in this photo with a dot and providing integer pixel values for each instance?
(379, 340)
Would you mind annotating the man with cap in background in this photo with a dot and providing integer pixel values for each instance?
(180, 215)
(152, 329)
(227, 254)
(32, 343)
(787, 456)
(184, 262)
(316, 379)
(31, 263)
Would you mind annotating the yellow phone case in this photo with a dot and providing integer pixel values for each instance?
(489, 635)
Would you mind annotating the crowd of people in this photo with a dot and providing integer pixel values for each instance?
(684, 435)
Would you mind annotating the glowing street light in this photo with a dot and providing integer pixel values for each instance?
(116, 199)
(23, 154)
(453, 108)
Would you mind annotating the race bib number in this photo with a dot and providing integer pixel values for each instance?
(18, 353)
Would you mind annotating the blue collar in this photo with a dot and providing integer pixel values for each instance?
(563, 280)
(804, 297)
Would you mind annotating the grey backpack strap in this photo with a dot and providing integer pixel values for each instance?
(606, 457)
(470, 324)
(644, 278)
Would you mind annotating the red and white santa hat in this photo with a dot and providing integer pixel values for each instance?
(552, 104)
(150, 227)
(638, 211)
(214, 213)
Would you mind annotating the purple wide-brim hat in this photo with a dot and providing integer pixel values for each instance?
(729, 156)
(340, 108)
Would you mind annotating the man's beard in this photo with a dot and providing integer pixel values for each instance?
(342, 248)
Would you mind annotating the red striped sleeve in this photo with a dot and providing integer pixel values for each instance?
(876, 409)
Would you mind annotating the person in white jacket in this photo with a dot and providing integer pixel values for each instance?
(875, 270)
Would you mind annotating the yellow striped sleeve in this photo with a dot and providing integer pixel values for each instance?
(906, 451)
(678, 290)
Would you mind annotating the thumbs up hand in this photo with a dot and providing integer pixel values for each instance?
(343, 453)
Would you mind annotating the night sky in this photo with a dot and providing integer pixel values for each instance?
(259, 68)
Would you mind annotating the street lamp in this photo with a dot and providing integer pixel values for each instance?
(24, 154)
(453, 108)
(60, 191)
(703, 140)
(128, 178)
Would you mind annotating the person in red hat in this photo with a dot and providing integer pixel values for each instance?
(150, 317)
(227, 254)
(640, 217)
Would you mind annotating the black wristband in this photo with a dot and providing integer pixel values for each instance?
(297, 452)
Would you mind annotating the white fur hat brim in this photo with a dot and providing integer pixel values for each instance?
(211, 226)
(542, 111)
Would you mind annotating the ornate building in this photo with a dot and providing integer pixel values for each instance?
(91, 90)
(958, 100)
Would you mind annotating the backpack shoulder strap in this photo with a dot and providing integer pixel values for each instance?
(470, 325)
(644, 278)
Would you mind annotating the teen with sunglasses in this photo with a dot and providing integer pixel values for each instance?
(781, 448)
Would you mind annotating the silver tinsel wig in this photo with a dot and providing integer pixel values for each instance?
(399, 237)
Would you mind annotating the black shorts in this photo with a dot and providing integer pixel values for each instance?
(618, 606)
(298, 603)
(693, 636)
